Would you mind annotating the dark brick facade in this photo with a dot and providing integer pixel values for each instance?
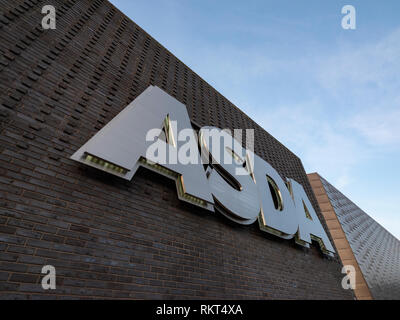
(109, 238)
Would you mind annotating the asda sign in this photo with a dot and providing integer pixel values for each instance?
(210, 167)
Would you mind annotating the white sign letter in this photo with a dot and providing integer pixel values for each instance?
(309, 225)
(121, 147)
(235, 194)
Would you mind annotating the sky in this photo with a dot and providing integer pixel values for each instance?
(331, 95)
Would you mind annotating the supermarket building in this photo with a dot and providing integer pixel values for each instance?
(109, 237)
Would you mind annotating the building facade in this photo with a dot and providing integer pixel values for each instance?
(361, 242)
(107, 237)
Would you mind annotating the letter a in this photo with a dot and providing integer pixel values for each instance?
(120, 147)
(49, 280)
(309, 225)
(349, 20)
(49, 20)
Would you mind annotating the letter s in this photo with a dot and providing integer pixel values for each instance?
(235, 195)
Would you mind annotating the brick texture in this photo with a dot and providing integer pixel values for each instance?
(110, 238)
(362, 242)
(343, 247)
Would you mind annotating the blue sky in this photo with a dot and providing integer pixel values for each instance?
(332, 96)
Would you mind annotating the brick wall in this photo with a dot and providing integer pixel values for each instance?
(110, 238)
(361, 242)
(342, 245)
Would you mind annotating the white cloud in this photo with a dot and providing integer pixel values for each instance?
(323, 145)
(366, 80)
(372, 65)
(364, 84)
(379, 126)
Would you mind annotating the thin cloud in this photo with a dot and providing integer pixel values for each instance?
(317, 141)
(367, 79)
(379, 126)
